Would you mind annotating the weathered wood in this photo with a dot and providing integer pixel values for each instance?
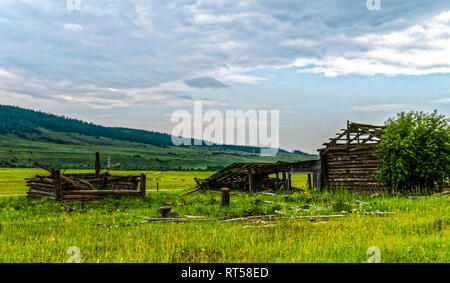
(225, 196)
(58, 184)
(142, 185)
(97, 163)
(163, 211)
(289, 182)
(309, 184)
(101, 192)
(190, 191)
(250, 181)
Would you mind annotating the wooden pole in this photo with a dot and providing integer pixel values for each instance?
(142, 185)
(284, 179)
(97, 163)
(348, 133)
(276, 182)
(315, 180)
(250, 181)
(225, 196)
(309, 181)
(58, 184)
(289, 182)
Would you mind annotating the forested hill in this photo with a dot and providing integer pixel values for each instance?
(22, 122)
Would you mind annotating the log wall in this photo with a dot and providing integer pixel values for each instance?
(351, 169)
(67, 187)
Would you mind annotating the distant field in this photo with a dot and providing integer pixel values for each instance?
(12, 179)
(69, 150)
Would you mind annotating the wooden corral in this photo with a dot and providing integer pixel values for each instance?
(85, 186)
(349, 160)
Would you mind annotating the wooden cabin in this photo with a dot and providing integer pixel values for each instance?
(349, 160)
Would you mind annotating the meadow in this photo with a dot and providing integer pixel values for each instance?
(405, 229)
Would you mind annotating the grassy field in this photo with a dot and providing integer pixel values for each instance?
(70, 150)
(415, 229)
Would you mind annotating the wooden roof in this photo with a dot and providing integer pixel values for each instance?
(355, 135)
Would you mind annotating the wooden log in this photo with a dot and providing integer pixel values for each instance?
(225, 196)
(102, 192)
(39, 192)
(163, 211)
(190, 191)
(41, 184)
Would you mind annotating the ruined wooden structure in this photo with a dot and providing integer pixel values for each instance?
(85, 186)
(255, 177)
(349, 160)
(250, 176)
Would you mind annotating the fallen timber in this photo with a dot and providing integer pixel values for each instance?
(85, 186)
(260, 177)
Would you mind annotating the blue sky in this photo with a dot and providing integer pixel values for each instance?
(321, 63)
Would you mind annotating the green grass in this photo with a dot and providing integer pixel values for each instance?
(115, 230)
(69, 150)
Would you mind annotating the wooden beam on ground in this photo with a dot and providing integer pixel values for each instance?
(191, 191)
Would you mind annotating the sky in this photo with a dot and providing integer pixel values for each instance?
(320, 63)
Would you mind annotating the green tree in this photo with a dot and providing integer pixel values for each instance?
(416, 152)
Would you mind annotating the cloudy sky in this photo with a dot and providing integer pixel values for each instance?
(320, 63)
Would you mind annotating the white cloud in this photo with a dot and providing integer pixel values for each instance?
(298, 43)
(379, 107)
(15, 89)
(441, 101)
(73, 27)
(417, 50)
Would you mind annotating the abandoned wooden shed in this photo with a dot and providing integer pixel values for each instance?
(349, 160)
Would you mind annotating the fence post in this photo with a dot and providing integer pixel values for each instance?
(57, 184)
(225, 196)
(142, 185)
(97, 163)
(309, 182)
(250, 181)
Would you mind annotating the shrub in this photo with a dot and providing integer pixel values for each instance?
(416, 152)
